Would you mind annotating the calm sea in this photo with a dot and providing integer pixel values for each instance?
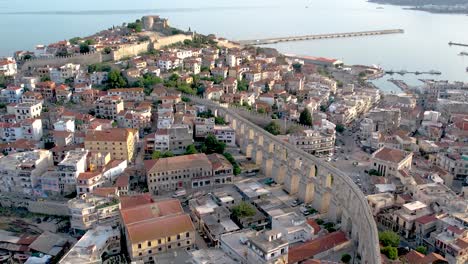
(423, 47)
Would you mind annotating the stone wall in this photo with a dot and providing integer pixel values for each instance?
(165, 41)
(59, 208)
(130, 50)
(86, 58)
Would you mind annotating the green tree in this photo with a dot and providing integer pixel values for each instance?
(345, 258)
(422, 250)
(2, 105)
(212, 145)
(242, 85)
(156, 154)
(27, 57)
(390, 252)
(305, 118)
(74, 40)
(136, 26)
(107, 50)
(389, 238)
(297, 67)
(340, 128)
(243, 209)
(323, 108)
(219, 120)
(84, 48)
(190, 150)
(45, 78)
(116, 80)
(261, 111)
(274, 128)
(167, 154)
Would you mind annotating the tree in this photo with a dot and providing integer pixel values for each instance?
(167, 154)
(107, 50)
(243, 209)
(2, 105)
(261, 111)
(274, 128)
(27, 57)
(305, 118)
(84, 48)
(156, 154)
(190, 150)
(235, 165)
(219, 120)
(242, 85)
(297, 67)
(345, 258)
(323, 108)
(45, 78)
(74, 40)
(116, 80)
(390, 252)
(389, 238)
(422, 250)
(340, 128)
(212, 145)
(136, 26)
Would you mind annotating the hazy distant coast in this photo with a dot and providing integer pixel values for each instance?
(433, 6)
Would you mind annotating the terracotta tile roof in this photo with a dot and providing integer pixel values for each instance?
(151, 210)
(105, 191)
(390, 154)
(88, 175)
(113, 134)
(181, 162)
(426, 219)
(314, 225)
(219, 162)
(155, 228)
(414, 257)
(136, 200)
(311, 248)
(122, 181)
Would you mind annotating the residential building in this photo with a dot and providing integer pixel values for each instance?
(8, 66)
(21, 172)
(251, 247)
(89, 210)
(292, 226)
(28, 110)
(156, 228)
(70, 168)
(12, 94)
(314, 142)
(405, 218)
(109, 106)
(225, 134)
(128, 94)
(203, 126)
(319, 248)
(119, 142)
(176, 139)
(454, 163)
(93, 245)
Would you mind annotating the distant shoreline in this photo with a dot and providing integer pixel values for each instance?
(431, 6)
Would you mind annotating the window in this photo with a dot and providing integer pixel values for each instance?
(169, 239)
(169, 247)
(187, 234)
(178, 237)
(159, 241)
(139, 245)
(149, 243)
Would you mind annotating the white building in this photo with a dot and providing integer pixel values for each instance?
(97, 242)
(70, 167)
(20, 173)
(67, 125)
(12, 94)
(225, 134)
(292, 226)
(8, 66)
(27, 110)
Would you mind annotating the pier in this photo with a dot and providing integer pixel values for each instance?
(320, 36)
(457, 44)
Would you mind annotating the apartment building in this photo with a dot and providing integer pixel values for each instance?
(27, 110)
(109, 106)
(203, 126)
(314, 142)
(128, 94)
(454, 163)
(70, 168)
(90, 210)
(176, 139)
(225, 134)
(119, 142)
(21, 172)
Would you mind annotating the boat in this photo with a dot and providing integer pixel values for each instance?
(379, 7)
(466, 69)
(434, 72)
(463, 53)
(417, 73)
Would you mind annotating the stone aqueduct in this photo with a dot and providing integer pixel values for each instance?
(330, 190)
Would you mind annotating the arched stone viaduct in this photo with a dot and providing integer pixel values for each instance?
(330, 190)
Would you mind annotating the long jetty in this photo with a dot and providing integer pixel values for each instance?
(320, 36)
(457, 44)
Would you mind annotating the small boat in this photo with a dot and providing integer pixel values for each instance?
(463, 53)
(434, 72)
(379, 7)
(466, 69)
(417, 73)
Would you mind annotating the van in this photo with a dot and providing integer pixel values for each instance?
(179, 193)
